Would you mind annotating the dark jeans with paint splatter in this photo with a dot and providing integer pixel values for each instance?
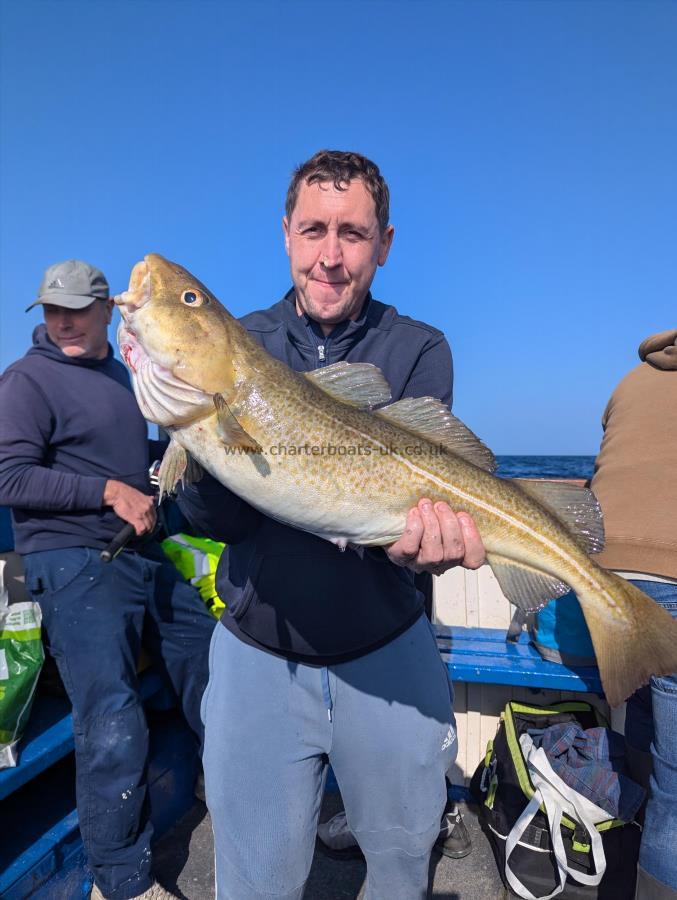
(94, 615)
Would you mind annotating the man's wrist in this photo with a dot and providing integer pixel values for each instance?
(110, 491)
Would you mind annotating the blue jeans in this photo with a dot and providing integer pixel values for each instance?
(385, 723)
(651, 724)
(94, 615)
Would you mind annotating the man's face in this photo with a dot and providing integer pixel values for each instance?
(334, 245)
(81, 333)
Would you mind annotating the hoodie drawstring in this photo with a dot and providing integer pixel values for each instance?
(326, 691)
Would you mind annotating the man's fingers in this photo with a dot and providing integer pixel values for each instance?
(432, 545)
(453, 538)
(475, 554)
(144, 525)
(141, 524)
(149, 520)
(411, 539)
(406, 548)
(149, 515)
(138, 509)
(436, 538)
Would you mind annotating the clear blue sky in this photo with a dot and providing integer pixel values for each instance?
(530, 147)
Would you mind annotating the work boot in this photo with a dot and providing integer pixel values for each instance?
(336, 840)
(454, 840)
(154, 892)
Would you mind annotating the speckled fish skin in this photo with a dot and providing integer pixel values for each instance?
(182, 351)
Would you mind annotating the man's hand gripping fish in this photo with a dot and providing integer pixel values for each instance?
(323, 452)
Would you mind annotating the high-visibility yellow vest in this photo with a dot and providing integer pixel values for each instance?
(196, 558)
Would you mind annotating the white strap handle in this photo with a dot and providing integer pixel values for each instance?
(512, 840)
(554, 790)
(556, 797)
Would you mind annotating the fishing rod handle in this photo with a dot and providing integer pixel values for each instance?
(117, 543)
(127, 532)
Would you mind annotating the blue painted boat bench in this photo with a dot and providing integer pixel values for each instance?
(41, 853)
(483, 656)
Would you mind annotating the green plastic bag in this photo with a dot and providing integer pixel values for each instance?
(21, 658)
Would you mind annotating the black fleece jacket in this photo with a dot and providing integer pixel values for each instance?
(289, 592)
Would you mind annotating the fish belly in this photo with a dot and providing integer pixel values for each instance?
(335, 498)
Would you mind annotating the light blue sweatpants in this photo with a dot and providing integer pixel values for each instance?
(386, 724)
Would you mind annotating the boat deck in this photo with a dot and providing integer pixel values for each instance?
(184, 863)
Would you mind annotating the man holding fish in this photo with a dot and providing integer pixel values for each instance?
(334, 657)
(324, 651)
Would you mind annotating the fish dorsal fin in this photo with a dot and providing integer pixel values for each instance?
(358, 384)
(436, 423)
(575, 506)
(177, 465)
(526, 587)
(229, 430)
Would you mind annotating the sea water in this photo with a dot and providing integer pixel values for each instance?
(545, 466)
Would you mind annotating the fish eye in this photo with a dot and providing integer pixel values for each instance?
(193, 298)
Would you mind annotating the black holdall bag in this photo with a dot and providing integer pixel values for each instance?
(548, 840)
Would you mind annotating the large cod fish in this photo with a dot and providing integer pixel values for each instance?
(322, 451)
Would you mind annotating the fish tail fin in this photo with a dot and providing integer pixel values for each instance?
(632, 642)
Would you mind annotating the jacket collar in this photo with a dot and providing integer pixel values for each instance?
(306, 332)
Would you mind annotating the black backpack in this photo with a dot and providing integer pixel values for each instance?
(503, 789)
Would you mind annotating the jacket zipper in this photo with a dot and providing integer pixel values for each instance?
(322, 353)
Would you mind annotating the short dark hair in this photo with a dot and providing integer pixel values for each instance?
(341, 167)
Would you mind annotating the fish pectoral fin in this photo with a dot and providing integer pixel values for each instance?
(229, 430)
(528, 588)
(358, 384)
(177, 465)
(435, 422)
(575, 506)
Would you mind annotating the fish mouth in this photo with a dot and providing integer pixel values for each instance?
(137, 358)
(131, 350)
(138, 294)
(162, 396)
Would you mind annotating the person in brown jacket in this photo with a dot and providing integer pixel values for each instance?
(635, 481)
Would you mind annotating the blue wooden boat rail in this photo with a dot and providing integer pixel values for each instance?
(482, 655)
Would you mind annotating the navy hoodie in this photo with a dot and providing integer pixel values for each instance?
(292, 593)
(67, 425)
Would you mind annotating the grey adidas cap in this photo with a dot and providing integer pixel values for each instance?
(73, 284)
